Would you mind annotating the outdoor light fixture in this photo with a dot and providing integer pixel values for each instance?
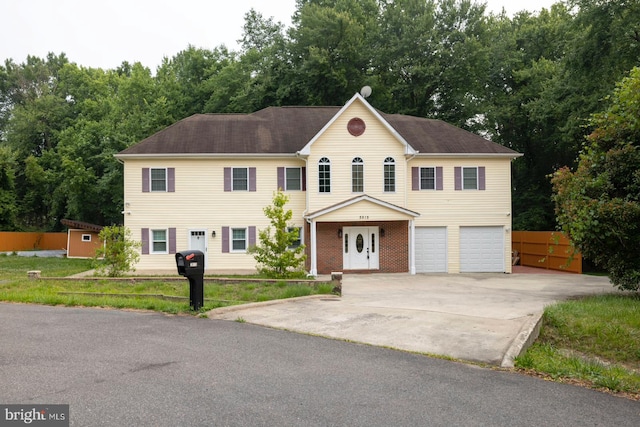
(382, 232)
(340, 233)
(213, 233)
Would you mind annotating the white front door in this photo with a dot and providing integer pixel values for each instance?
(198, 242)
(360, 248)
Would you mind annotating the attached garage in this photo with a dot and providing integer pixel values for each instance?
(482, 249)
(431, 249)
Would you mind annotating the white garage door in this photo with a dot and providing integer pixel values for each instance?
(482, 249)
(431, 249)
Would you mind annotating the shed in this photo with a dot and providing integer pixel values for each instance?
(82, 238)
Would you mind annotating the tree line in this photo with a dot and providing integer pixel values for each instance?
(529, 82)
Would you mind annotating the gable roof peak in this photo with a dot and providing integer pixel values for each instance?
(306, 150)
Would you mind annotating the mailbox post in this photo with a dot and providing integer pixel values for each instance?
(191, 265)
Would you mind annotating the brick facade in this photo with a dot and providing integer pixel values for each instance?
(394, 246)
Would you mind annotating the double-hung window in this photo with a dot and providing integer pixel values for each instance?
(389, 175)
(469, 178)
(293, 179)
(159, 242)
(324, 175)
(428, 178)
(357, 175)
(238, 239)
(158, 179)
(240, 179)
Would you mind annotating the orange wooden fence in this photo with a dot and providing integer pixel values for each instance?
(15, 241)
(546, 249)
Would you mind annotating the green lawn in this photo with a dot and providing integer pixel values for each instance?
(16, 287)
(593, 340)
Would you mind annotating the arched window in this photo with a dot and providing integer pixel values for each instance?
(324, 175)
(389, 175)
(357, 175)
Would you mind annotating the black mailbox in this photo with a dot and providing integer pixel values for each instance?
(191, 265)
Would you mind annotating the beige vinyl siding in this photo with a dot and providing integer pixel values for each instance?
(373, 147)
(455, 208)
(200, 202)
(364, 211)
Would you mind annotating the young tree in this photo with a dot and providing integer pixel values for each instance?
(119, 252)
(598, 205)
(276, 254)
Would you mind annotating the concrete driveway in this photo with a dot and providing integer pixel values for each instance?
(477, 317)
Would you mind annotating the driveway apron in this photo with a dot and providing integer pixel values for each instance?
(485, 318)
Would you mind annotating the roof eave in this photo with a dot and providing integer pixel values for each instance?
(471, 155)
(204, 156)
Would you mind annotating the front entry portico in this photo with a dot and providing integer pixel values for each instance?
(351, 236)
(361, 248)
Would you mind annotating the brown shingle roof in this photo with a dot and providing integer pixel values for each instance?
(286, 130)
(81, 225)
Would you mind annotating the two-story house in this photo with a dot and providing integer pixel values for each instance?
(369, 191)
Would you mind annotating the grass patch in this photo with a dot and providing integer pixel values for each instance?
(594, 340)
(16, 287)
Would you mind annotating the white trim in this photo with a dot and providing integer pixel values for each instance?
(473, 155)
(206, 242)
(205, 156)
(360, 163)
(385, 163)
(313, 271)
(166, 180)
(151, 241)
(330, 175)
(299, 180)
(246, 168)
(462, 168)
(358, 199)
(412, 247)
(435, 178)
(408, 149)
(246, 240)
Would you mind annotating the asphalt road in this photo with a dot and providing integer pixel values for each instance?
(117, 368)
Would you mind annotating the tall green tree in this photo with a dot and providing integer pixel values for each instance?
(527, 53)
(598, 204)
(8, 207)
(330, 50)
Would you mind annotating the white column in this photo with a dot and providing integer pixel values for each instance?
(314, 252)
(412, 247)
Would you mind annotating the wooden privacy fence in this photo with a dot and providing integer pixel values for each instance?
(546, 249)
(16, 241)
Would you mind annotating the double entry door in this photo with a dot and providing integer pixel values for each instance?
(360, 248)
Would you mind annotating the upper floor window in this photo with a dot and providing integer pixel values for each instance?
(428, 178)
(357, 175)
(240, 179)
(293, 179)
(389, 175)
(159, 179)
(324, 175)
(469, 178)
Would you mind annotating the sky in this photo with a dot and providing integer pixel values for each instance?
(103, 34)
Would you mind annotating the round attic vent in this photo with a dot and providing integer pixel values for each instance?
(356, 126)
